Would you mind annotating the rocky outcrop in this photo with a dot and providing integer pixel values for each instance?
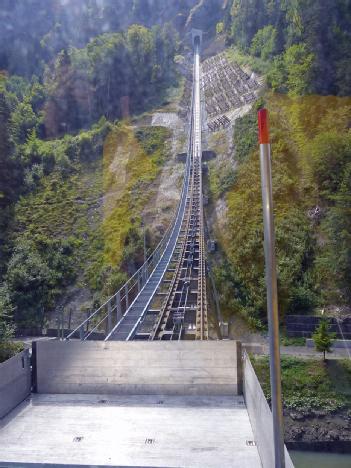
(318, 431)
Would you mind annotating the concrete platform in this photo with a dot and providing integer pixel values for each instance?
(147, 431)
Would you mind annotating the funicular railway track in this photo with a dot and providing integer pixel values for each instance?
(166, 298)
(185, 306)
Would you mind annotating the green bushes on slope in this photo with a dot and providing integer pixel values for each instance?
(309, 385)
(80, 223)
(311, 157)
(59, 212)
(131, 162)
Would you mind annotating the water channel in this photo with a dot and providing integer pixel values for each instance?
(302, 459)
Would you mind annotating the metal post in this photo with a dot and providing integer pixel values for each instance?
(88, 321)
(140, 280)
(118, 307)
(144, 273)
(62, 324)
(144, 240)
(109, 317)
(126, 292)
(69, 320)
(272, 293)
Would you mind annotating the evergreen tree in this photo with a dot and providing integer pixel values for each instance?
(323, 338)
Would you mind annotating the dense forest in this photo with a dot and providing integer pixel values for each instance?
(30, 42)
(72, 71)
(303, 46)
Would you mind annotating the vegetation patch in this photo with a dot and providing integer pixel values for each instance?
(78, 224)
(301, 47)
(311, 157)
(309, 385)
(132, 159)
(9, 349)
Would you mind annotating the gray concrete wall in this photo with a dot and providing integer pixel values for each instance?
(113, 367)
(260, 416)
(15, 381)
(254, 348)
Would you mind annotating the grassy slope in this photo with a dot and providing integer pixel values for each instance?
(63, 207)
(310, 385)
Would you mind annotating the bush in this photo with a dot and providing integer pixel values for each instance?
(264, 42)
(37, 272)
(245, 135)
(23, 122)
(10, 349)
(330, 152)
(309, 403)
(287, 341)
(152, 141)
(291, 71)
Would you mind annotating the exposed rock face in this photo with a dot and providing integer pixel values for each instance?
(161, 207)
(322, 431)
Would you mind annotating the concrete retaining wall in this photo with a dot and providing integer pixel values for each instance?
(260, 417)
(15, 381)
(254, 348)
(305, 325)
(114, 367)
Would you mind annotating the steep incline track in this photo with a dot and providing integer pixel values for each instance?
(166, 300)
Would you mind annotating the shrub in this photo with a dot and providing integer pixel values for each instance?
(322, 338)
(10, 349)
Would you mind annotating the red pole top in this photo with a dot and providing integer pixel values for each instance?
(263, 126)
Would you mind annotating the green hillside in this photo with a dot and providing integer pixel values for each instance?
(311, 161)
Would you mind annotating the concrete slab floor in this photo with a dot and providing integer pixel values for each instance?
(147, 431)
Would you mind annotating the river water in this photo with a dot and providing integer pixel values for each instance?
(302, 459)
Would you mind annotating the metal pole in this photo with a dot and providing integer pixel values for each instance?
(118, 307)
(140, 280)
(144, 242)
(109, 317)
(62, 324)
(69, 320)
(126, 292)
(272, 293)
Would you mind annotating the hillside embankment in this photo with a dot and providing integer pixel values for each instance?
(317, 401)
